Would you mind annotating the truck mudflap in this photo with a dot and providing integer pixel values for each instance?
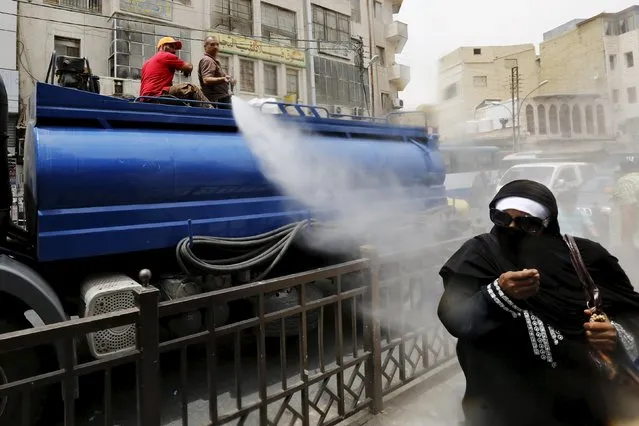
(22, 282)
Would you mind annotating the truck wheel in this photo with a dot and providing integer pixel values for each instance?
(15, 366)
(288, 298)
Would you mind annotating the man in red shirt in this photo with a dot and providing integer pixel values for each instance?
(157, 73)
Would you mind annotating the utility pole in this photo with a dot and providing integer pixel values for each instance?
(310, 53)
(514, 92)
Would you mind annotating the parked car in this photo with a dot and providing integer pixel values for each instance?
(555, 175)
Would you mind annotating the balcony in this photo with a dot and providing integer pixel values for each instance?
(80, 5)
(397, 4)
(399, 75)
(397, 33)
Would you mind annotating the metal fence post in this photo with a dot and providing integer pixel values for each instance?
(148, 368)
(372, 332)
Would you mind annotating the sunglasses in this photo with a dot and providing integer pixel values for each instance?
(529, 224)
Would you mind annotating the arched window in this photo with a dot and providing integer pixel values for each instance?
(576, 119)
(530, 119)
(564, 120)
(541, 117)
(554, 122)
(601, 120)
(590, 120)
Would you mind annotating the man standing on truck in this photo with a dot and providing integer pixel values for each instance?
(157, 73)
(214, 81)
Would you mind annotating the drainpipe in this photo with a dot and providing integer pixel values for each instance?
(6, 199)
(310, 64)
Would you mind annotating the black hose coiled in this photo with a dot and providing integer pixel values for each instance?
(255, 251)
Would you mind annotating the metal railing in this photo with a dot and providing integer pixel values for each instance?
(370, 333)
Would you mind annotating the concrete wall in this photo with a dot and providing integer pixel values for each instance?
(573, 63)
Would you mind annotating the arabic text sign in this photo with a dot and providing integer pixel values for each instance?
(244, 46)
(162, 9)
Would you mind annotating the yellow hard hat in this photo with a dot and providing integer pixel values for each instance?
(170, 40)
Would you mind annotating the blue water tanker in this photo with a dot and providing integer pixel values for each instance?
(121, 195)
(132, 174)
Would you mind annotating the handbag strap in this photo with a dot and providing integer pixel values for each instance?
(591, 289)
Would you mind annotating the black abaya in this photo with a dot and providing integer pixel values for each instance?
(506, 384)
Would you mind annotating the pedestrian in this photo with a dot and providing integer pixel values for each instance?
(626, 203)
(158, 71)
(514, 300)
(215, 83)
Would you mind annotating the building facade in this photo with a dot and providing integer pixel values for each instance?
(584, 86)
(621, 47)
(469, 76)
(8, 62)
(301, 51)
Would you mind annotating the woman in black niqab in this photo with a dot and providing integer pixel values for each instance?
(526, 361)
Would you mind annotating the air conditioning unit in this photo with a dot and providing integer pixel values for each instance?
(359, 111)
(398, 103)
(338, 109)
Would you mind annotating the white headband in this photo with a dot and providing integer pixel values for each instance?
(525, 205)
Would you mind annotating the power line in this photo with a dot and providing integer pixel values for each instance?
(97, 27)
(351, 45)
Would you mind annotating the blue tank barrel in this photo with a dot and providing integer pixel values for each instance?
(110, 189)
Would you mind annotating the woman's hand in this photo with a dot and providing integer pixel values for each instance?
(520, 285)
(601, 335)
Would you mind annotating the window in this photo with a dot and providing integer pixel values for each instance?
(612, 60)
(541, 115)
(630, 60)
(553, 119)
(568, 175)
(632, 95)
(225, 63)
(601, 120)
(615, 96)
(381, 52)
(136, 41)
(235, 16)
(480, 81)
(379, 10)
(66, 46)
(356, 11)
(292, 82)
(450, 91)
(88, 5)
(270, 79)
(247, 75)
(279, 25)
(329, 25)
(339, 83)
(590, 120)
(476, 51)
(576, 119)
(564, 120)
(530, 119)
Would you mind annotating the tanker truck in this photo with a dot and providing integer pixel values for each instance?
(121, 193)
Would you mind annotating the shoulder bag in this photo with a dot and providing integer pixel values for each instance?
(612, 368)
